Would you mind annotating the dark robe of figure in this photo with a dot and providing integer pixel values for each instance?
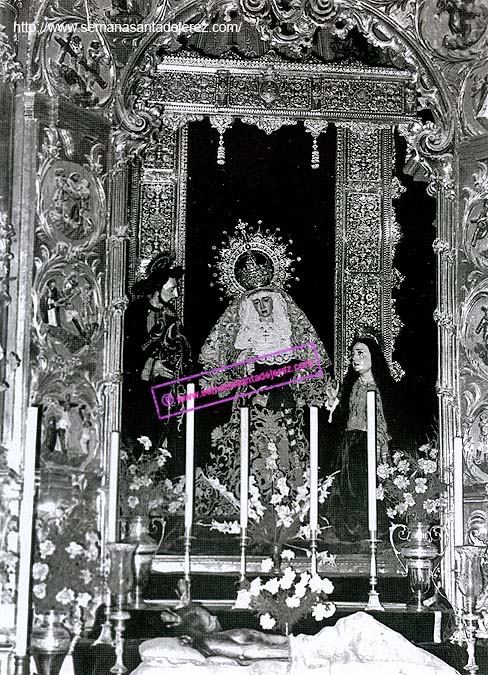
(155, 351)
(347, 433)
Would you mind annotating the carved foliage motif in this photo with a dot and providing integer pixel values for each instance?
(363, 240)
(183, 84)
(363, 301)
(360, 167)
(378, 97)
(10, 69)
(157, 201)
(160, 153)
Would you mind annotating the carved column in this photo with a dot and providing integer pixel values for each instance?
(447, 384)
(365, 237)
(23, 217)
(116, 303)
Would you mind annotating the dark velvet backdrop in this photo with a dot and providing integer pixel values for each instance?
(269, 178)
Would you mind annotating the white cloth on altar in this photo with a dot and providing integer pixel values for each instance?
(360, 645)
(356, 645)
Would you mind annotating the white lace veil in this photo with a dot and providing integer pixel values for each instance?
(263, 335)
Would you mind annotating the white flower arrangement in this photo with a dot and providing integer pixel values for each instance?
(288, 504)
(282, 601)
(66, 572)
(412, 485)
(144, 488)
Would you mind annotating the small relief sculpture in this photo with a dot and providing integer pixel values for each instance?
(70, 432)
(481, 223)
(467, 22)
(476, 331)
(81, 70)
(482, 327)
(480, 90)
(68, 310)
(71, 205)
(481, 453)
(124, 11)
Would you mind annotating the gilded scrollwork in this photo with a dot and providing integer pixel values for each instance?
(477, 528)
(181, 86)
(288, 24)
(427, 144)
(11, 70)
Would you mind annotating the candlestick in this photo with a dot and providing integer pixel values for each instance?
(25, 533)
(190, 449)
(313, 551)
(314, 469)
(244, 541)
(244, 466)
(371, 444)
(458, 492)
(373, 603)
(113, 483)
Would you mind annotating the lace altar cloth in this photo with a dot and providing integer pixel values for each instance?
(356, 645)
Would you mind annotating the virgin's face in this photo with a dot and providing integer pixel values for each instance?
(263, 305)
(361, 358)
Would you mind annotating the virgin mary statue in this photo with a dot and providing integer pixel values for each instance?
(266, 334)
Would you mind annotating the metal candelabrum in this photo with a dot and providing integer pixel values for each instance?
(120, 582)
(469, 579)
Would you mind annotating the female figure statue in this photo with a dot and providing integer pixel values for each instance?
(263, 324)
(348, 427)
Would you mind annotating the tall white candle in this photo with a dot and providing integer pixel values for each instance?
(371, 443)
(25, 532)
(314, 468)
(244, 466)
(458, 492)
(190, 454)
(113, 483)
